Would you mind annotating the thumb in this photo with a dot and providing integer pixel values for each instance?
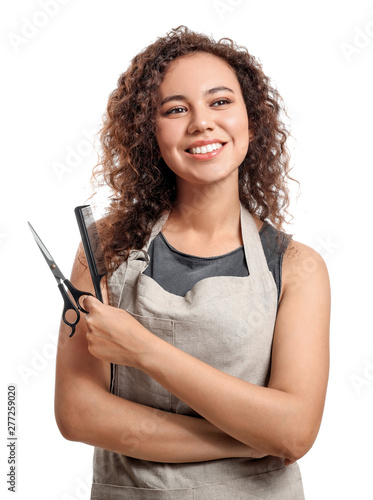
(89, 302)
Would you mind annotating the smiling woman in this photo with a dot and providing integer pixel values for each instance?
(203, 374)
(212, 113)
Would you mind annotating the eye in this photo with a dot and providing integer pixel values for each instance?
(176, 110)
(221, 102)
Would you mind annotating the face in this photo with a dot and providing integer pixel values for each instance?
(202, 125)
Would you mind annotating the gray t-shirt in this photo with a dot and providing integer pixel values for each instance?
(177, 272)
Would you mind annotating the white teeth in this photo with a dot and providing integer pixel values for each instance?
(206, 149)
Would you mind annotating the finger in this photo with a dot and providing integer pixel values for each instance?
(83, 302)
(89, 303)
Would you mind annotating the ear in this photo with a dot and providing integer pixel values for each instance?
(251, 134)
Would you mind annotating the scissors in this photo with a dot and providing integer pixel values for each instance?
(62, 283)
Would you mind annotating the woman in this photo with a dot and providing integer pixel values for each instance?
(219, 365)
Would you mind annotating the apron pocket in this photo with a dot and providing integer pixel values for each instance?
(282, 484)
(108, 492)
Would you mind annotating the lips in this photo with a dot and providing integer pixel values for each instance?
(206, 150)
(214, 143)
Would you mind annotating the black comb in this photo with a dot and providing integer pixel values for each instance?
(92, 246)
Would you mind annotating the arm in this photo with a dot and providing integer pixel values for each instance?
(86, 411)
(282, 419)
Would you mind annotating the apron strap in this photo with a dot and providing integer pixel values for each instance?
(254, 253)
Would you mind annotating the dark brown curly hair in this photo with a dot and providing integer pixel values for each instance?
(143, 186)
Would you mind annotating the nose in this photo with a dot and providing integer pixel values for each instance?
(201, 119)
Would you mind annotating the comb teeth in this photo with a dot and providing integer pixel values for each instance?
(94, 239)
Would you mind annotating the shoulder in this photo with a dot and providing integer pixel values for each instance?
(80, 276)
(303, 267)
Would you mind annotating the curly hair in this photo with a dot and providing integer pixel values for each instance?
(143, 187)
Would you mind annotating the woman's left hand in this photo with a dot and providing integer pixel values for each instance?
(114, 335)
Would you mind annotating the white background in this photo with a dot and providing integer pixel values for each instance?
(58, 69)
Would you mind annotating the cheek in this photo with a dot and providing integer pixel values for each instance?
(166, 138)
(239, 127)
(238, 124)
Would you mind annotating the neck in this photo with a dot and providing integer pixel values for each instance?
(207, 209)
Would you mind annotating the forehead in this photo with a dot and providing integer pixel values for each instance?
(198, 71)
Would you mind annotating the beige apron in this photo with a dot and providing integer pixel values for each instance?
(227, 322)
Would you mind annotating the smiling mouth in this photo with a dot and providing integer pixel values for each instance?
(208, 148)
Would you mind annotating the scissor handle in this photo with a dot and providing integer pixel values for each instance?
(77, 294)
(68, 305)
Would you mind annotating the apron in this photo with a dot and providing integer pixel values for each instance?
(225, 321)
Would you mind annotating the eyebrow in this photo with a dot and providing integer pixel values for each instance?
(179, 97)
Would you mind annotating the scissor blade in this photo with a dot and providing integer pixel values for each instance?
(47, 256)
